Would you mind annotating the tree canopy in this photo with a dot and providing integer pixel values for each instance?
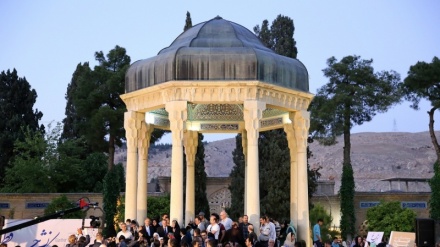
(188, 21)
(17, 100)
(423, 82)
(279, 37)
(390, 216)
(354, 94)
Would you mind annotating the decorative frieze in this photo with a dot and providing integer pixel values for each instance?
(214, 126)
(271, 122)
(216, 92)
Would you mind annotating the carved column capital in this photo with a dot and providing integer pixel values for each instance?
(132, 124)
(190, 142)
(301, 125)
(177, 114)
(253, 113)
(144, 138)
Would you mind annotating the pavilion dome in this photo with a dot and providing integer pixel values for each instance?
(217, 50)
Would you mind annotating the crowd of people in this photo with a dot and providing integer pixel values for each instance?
(215, 230)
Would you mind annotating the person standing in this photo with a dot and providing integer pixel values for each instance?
(243, 226)
(317, 233)
(225, 220)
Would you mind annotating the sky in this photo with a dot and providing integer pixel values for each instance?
(45, 40)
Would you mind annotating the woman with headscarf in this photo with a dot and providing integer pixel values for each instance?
(290, 240)
(176, 231)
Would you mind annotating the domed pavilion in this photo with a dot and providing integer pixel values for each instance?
(216, 77)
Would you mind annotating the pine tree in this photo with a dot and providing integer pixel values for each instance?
(353, 95)
(423, 82)
(17, 100)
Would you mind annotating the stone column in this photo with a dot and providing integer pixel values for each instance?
(301, 124)
(132, 124)
(177, 114)
(142, 189)
(290, 132)
(190, 142)
(244, 146)
(253, 112)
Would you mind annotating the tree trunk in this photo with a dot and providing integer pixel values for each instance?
(347, 143)
(111, 152)
(432, 133)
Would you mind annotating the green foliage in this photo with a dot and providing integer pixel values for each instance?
(62, 204)
(17, 99)
(94, 108)
(274, 163)
(346, 194)
(313, 174)
(201, 199)
(279, 37)
(158, 205)
(31, 168)
(434, 201)
(111, 194)
(237, 180)
(72, 122)
(423, 82)
(318, 212)
(188, 22)
(353, 95)
(389, 216)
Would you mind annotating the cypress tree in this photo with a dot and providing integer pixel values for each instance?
(188, 22)
(434, 201)
(201, 200)
(346, 193)
(237, 180)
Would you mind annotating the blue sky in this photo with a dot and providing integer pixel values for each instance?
(45, 40)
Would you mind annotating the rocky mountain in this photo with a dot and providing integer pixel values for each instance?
(375, 156)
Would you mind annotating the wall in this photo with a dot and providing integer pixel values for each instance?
(31, 205)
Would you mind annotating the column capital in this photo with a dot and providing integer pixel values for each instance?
(253, 113)
(132, 124)
(190, 142)
(301, 125)
(177, 114)
(144, 138)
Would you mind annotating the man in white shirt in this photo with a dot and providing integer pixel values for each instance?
(127, 234)
(225, 220)
(213, 228)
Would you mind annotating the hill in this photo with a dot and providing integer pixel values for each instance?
(375, 156)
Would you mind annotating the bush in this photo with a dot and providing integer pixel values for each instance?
(390, 216)
(61, 204)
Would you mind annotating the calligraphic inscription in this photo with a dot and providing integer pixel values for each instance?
(4, 205)
(36, 205)
(219, 126)
(271, 122)
(368, 204)
(421, 205)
